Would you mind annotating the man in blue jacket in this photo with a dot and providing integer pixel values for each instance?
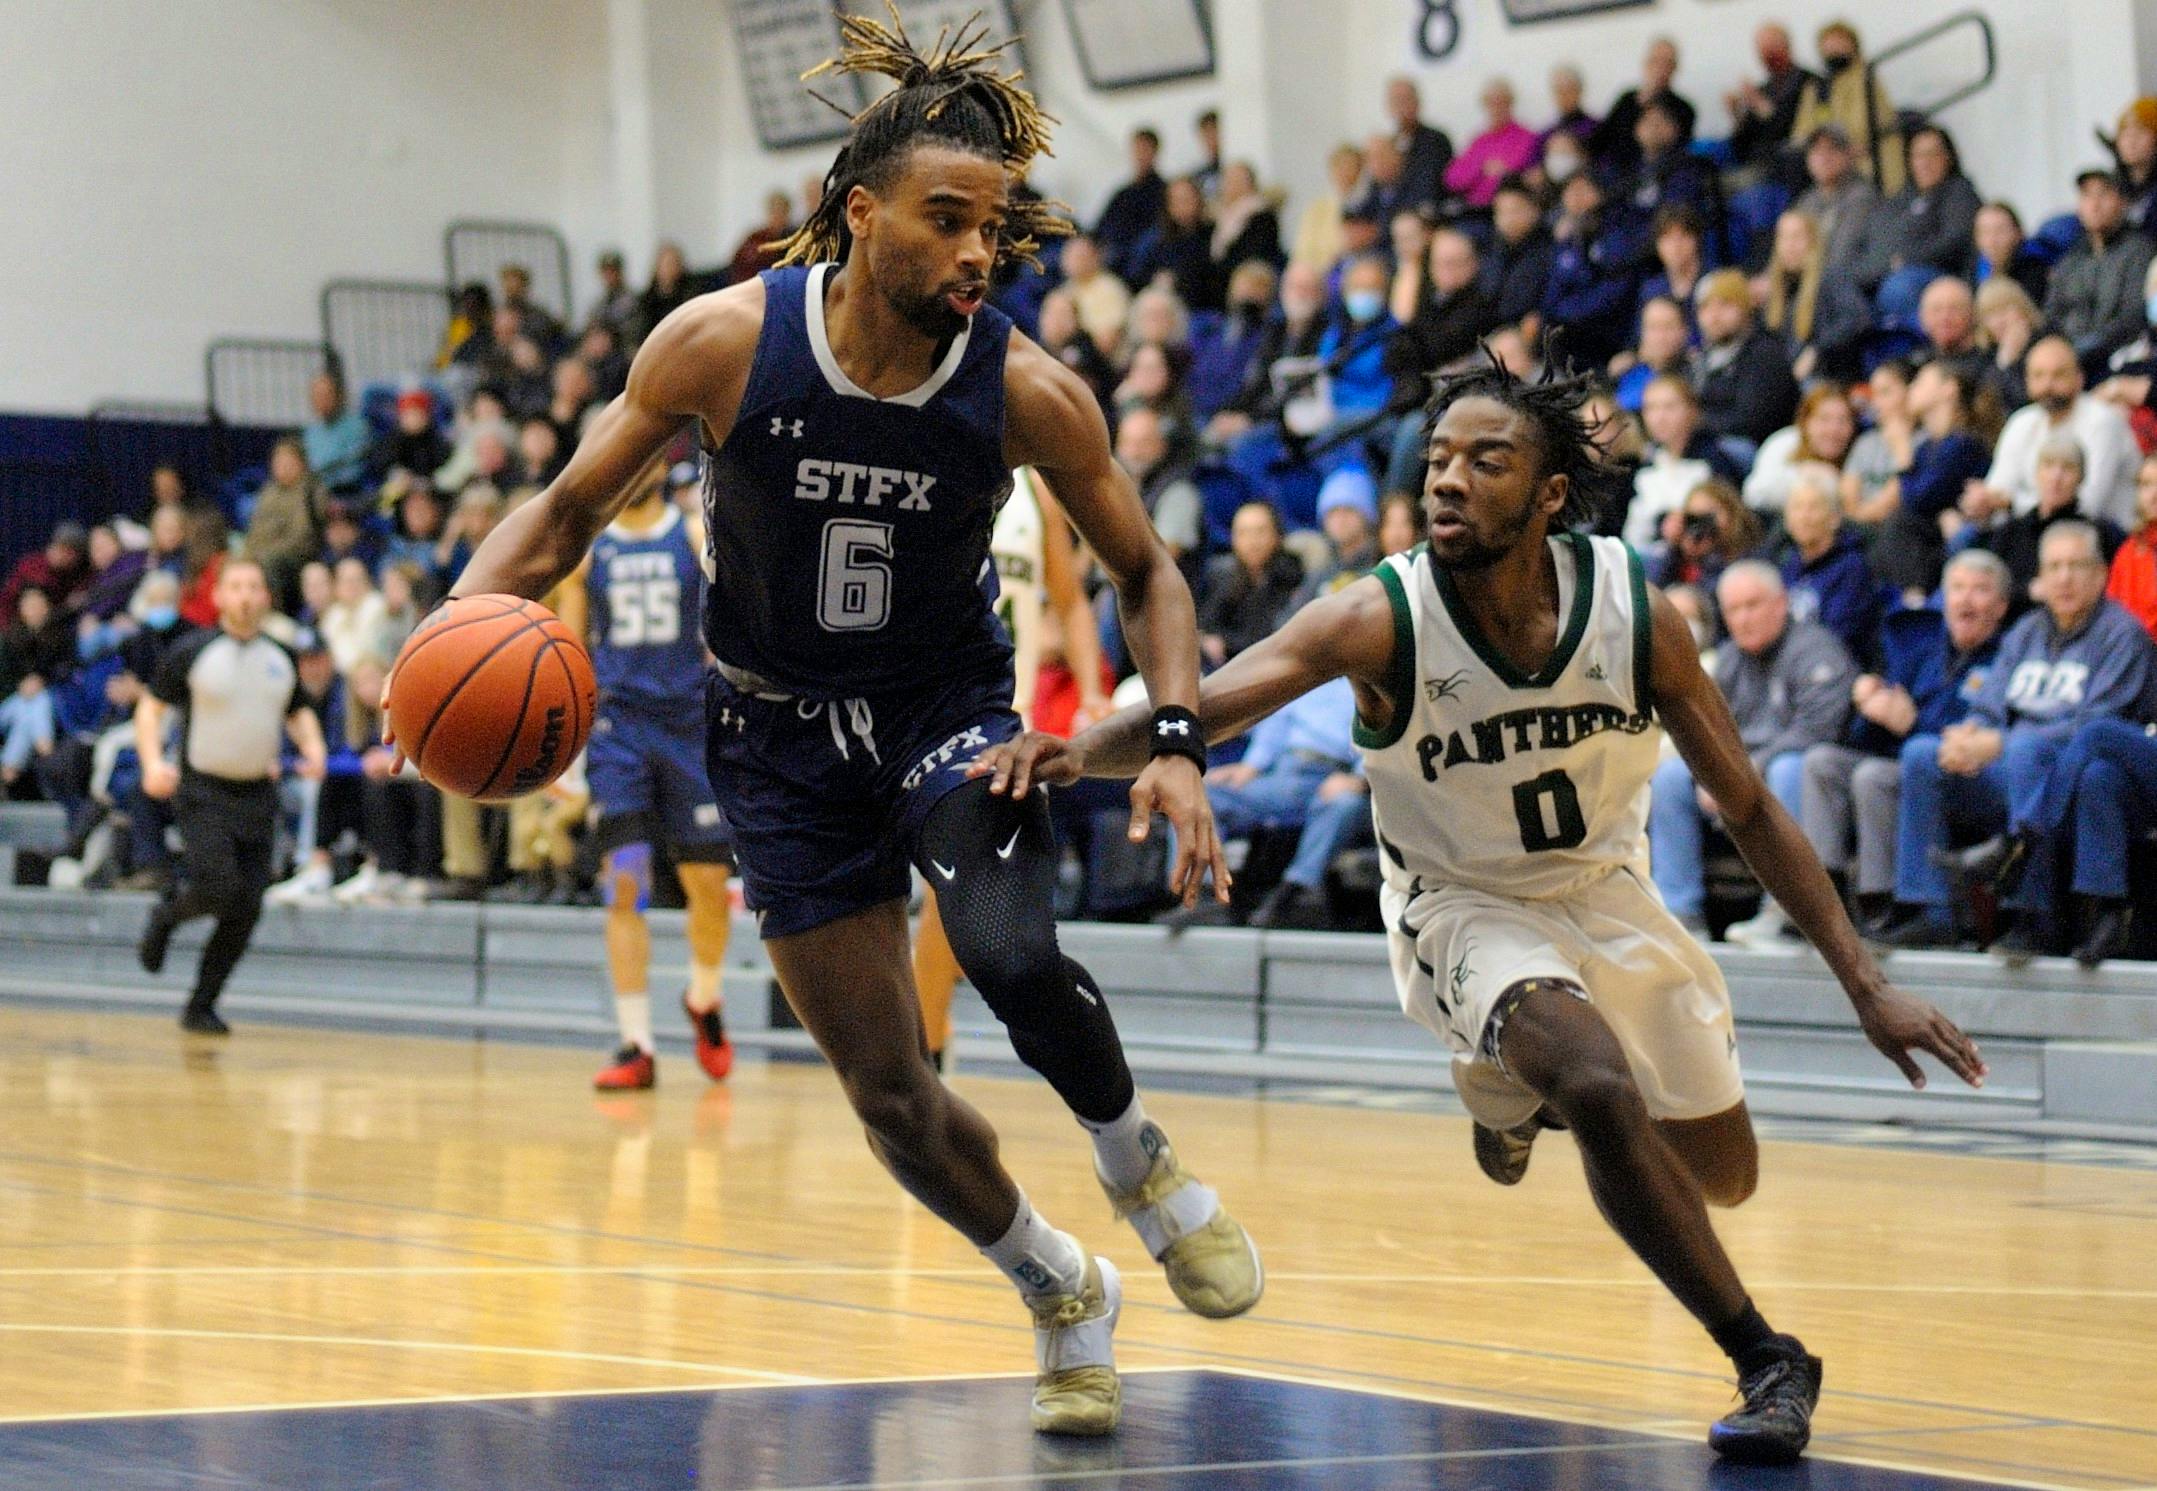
(2081, 658)
(1933, 665)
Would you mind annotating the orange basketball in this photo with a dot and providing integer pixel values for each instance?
(492, 697)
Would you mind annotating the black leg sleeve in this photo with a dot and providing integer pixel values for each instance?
(993, 864)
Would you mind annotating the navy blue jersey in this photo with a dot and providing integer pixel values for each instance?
(847, 533)
(643, 588)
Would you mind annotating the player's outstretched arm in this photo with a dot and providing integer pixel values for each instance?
(1346, 634)
(693, 365)
(1694, 712)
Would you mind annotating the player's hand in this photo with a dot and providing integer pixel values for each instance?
(1898, 1024)
(1031, 757)
(160, 779)
(1173, 787)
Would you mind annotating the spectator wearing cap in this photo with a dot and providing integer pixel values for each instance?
(617, 306)
(685, 488)
(2134, 153)
(285, 530)
(1840, 199)
(61, 569)
(1849, 97)
(1504, 148)
(1348, 519)
(415, 447)
(1742, 372)
(2095, 296)
(337, 438)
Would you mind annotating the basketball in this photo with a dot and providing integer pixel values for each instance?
(492, 698)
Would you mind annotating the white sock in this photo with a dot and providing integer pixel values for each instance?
(633, 1013)
(703, 986)
(1035, 1256)
(1124, 1147)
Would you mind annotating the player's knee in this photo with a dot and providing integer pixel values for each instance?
(1012, 965)
(1597, 1097)
(898, 1101)
(625, 884)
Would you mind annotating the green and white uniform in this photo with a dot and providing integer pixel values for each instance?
(1512, 818)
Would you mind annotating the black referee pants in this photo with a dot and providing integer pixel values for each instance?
(228, 830)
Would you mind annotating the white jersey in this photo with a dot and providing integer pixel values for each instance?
(1015, 548)
(1502, 783)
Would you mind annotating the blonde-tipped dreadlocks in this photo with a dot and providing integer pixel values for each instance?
(953, 96)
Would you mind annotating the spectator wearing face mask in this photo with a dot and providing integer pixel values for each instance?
(1848, 96)
(1290, 334)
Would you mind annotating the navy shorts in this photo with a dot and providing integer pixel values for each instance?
(827, 800)
(648, 782)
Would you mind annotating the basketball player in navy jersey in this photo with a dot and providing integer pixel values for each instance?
(646, 764)
(862, 410)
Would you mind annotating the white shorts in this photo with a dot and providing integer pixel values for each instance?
(1456, 951)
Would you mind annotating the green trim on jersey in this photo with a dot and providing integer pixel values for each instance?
(1643, 637)
(1576, 625)
(1401, 672)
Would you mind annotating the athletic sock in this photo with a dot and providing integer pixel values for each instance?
(1748, 1340)
(1124, 1147)
(1036, 1257)
(633, 1013)
(703, 987)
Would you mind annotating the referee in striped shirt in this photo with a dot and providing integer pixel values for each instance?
(239, 693)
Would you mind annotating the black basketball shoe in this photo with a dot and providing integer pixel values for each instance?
(1503, 1154)
(1775, 1423)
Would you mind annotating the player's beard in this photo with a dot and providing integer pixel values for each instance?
(1478, 548)
(929, 314)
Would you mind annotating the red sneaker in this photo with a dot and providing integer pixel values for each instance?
(715, 1053)
(632, 1068)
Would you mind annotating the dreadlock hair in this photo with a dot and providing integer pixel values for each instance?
(952, 96)
(1552, 406)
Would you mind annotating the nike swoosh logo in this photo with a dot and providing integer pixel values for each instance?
(1009, 844)
(947, 874)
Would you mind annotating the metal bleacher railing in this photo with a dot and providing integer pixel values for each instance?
(384, 330)
(1934, 68)
(262, 381)
(477, 250)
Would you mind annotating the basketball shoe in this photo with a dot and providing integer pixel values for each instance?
(633, 1068)
(1774, 1424)
(715, 1053)
(1502, 1154)
(1211, 1262)
(1076, 1390)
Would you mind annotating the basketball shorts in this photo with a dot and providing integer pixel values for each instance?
(648, 784)
(1455, 952)
(826, 799)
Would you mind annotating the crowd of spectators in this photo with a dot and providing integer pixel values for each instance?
(1887, 447)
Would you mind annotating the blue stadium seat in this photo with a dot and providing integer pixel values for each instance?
(2055, 236)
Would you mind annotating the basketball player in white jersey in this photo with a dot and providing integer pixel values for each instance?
(1036, 575)
(1509, 683)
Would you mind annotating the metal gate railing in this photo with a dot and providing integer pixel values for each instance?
(384, 331)
(262, 381)
(474, 250)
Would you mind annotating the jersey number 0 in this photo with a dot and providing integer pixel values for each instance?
(1548, 808)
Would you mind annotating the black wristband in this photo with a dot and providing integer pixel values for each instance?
(1176, 733)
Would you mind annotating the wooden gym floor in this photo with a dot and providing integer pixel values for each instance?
(312, 1217)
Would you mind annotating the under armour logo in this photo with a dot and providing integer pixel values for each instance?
(739, 722)
(786, 427)
(1174, 727)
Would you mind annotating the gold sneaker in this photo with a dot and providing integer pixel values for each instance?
(1211, 1262)
(1077, 1390)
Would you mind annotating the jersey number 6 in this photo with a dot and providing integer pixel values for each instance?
(853, 588)
(1561, 826)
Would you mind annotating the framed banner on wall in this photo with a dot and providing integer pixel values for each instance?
(1128, 43)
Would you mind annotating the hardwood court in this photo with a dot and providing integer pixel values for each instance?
(318, 1217)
